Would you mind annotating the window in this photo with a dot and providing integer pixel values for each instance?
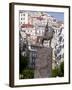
(59, 57)
(23, 14)
(24, 31)
(21, 22)
(60, 38)
(21, 18)
(33, 54)
(33, 61)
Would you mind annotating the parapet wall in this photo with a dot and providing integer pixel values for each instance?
(43, 63)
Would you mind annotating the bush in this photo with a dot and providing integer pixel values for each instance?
(23, 63)
(58, 71)
(28, 73)
(55, 72)
(24, 71)
(61, 70)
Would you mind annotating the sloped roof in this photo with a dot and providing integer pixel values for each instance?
(27, 26)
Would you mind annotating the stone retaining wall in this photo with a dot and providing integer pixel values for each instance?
(43, 63)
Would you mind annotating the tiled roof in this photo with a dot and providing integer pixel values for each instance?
(27, 26)
(39, 18)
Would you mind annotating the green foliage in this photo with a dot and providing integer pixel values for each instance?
(25, 71)
(58, 71)
(23, 63)
(28, 73)
(55, 72)
(61, 70)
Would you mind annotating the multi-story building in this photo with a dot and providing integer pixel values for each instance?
(58, 46)
(28, 29)
(32, 25)
(23, 17)
(32, 56)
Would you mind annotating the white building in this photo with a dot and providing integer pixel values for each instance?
(58, 46)
(32, 25)
(28, 29)
(23, 17)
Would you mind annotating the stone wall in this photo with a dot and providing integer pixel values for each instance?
(43, 63)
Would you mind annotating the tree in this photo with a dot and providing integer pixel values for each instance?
(61, 70)
(23, 63)
(28, 73)
(58, 71)
(55, 72)
(25, 71)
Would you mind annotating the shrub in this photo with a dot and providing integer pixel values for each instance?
(23, 63)
(61, 70)
(55, 72)
(24, 70)
(58, 71)
(28, 73)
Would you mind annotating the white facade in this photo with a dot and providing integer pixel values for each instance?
(34, 24)
(23, 18)
(30, 31)
(58, 46)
